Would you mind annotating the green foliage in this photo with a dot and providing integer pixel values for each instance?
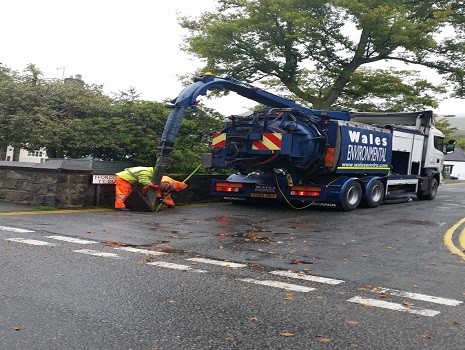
(124, 130)
(194, 138)
(388, 90)
(460, 143)
(445, 126)
(372, 90)
(75, 120)
(314, 48)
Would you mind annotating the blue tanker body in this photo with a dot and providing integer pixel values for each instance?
(288, 155)
(364, 151)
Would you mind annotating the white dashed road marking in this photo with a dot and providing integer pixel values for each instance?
(307, 277)
(14, 229)
(393, 306)
(417, 296)
(175, 266)
(406, 307)
(142, 251)
(97, 253)
(276, 284)
(217, 262)
(72, 240)
(30, 241)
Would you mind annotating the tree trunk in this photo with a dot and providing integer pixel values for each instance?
(16, 152)
(55, 153)
(3, 150)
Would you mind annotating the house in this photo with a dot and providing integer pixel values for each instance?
(9, 153)
(454, 163)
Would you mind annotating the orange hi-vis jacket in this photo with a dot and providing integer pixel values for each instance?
(174, 185)
(166, 186)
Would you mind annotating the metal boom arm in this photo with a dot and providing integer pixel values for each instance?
(188, 99)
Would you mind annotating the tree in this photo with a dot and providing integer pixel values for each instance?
(8, 103)
(131, 130)
(37, 113)
(460, 143)
(194, 138)
(64, 109)
(17, 102)
(76, 120)
(127, 129)
(315, 49)
(372, 90)
(445, 126)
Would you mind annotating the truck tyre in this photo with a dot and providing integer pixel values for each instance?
(431, 192)
(352, 196)
(374, 195)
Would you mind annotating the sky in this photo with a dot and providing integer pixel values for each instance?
(115, 43)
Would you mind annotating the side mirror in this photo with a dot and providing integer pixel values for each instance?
(450, 146)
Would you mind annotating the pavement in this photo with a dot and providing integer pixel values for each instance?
(6, 207)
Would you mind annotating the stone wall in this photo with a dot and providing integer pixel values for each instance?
(58, 183)
(65, 184)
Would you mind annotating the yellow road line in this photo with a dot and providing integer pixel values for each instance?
(37, 212)
(70, 211)
(462, 239)
(448, 239)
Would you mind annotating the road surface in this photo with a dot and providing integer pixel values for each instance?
(223, 276)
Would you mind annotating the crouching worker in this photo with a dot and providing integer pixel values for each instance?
(129, 177)
(168, 185)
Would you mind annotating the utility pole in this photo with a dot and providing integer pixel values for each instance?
(62, 72)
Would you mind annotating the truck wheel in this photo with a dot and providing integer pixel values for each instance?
(375, 195)
(352, 196)
(431, 192)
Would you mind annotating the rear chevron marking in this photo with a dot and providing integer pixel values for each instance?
(269, 142)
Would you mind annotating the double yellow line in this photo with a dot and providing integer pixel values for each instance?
(448, 239)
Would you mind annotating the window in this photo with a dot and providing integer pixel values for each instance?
(439, 143)
(35, 153)
(448, 168)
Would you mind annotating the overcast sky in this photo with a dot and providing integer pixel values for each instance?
(115, 43)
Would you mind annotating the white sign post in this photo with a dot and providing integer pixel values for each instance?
(102, 180)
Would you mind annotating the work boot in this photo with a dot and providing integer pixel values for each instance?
(169, 202)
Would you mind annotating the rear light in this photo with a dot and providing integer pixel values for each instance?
(227, 187)
(305, 191)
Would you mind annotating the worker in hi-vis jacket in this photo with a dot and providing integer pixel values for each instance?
(167, 185)
(126, 179)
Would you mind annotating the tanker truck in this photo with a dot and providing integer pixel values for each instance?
(289, 152)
